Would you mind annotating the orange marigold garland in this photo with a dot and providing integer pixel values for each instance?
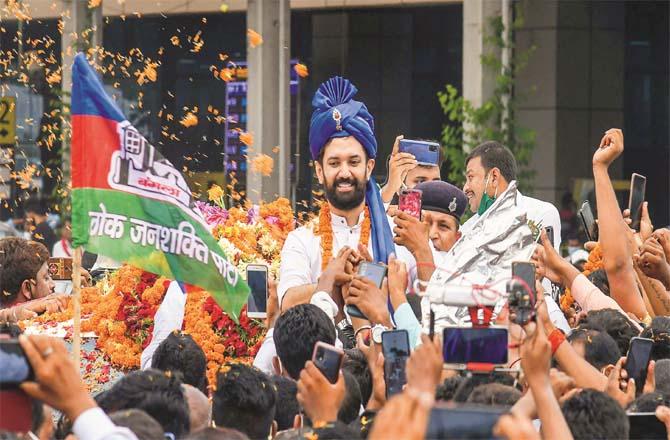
(325, 231)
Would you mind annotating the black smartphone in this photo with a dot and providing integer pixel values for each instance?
(395, 346)
(374, 271)
(638, 185)
(550, 234)
(646, 426)
(525, 271)
(589, 222)
(463, 422)
(257, 279)
(637, 361)
(328, 359)
(14, 365)
(483, 345)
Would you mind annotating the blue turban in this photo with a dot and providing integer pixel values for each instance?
(337, 114)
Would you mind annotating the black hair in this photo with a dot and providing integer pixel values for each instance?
(180, 353)
(659, 331)
(217, 434)
(593, 414)
(288, 407)
(157, 393)
(37, 416)
(600, 349)
(649, 402)
(493, 154)
(332, 431)
(356, 363)
(614, 323)
(139, 422)
(351, 405)
(469, 384)
(36, 205)
(11, 329)
(297, 330)
(245, 399)
(599, 279)
(494, 394)
(63, 427)
(447, 390)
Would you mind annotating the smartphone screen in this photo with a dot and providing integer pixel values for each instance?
(646, 426)
(328, 359)
(15, 367)
(525, 271)
(589, 222)
(462, 422)
(374, 271)
(638, 186)
(257, 278)
(409, 201)
(550, 234)
(395, 346)
(637, 361)
(463, 345)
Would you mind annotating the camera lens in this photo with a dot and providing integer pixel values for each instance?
(432, 148)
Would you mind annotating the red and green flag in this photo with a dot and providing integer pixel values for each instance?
(131, 204)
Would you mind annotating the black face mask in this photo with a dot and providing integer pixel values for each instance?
(346, 201)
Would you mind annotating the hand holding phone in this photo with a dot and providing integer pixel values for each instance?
(425, 152)
(257, 278)
(483, 345)
(638, 184)
(589, 222)
(373, 271)
(328, 359)
(396, 349)
(409, 201)
(637, 361)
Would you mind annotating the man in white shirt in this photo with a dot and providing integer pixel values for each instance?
(490, 168)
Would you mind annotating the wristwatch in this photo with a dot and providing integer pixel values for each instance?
(377, 331)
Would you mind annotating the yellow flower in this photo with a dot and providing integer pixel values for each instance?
(215, 193)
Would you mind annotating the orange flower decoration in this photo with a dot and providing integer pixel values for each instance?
(301, 70)
(326, 232)
(255, 39)
(246, 138)
(189, 120)
(262, 164)
(594, 263)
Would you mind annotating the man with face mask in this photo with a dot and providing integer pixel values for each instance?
(353, 219)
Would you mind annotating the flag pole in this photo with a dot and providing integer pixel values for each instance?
(76, 298)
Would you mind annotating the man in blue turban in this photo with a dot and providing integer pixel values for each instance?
(353, 221)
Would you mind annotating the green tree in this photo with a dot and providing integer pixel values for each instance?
(468, 125)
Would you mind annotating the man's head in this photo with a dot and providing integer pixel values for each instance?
(659, 331)
(593, 414)
(489, 167)
(443, 205)
(662, 375)
(157, 393)
(597, 347)
(356, 363)
(36, 211)
(647, 403)
(139, 422)
(351, 405)
(296, 332)
(614, 323)
(199, 409)
(217, 434)
(25, 273)
(179, 352)
(288, 407)
(422, 173)
(494, 394)
(245, 400)
(448, 389)
(599, 279)
(343, 168)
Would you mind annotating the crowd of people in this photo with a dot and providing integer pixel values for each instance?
(566, 375)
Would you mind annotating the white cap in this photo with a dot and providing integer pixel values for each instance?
(579, 255)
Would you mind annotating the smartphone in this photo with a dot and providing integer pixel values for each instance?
(257, 279)
(589, 222)
(15, 367)
(638, 184)
(395, 346)
(60, 269)
(17, 411)
(409, 201)
(462, 422)
(550, 234)
(525, 271)
(637, 361)
(328, 359)
(484, 345)
(374, 271)
(646, 426)
(425, 152)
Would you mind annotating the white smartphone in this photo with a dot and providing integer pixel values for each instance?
(257, 279)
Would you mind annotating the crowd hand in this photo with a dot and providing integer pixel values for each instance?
(663, 414)
(405, 416)
(515, 427)
(536, 354)
(590, 245)
(619, 387)
(561, 383)
(334, 275)
(652, 261)
(397, 281)
(57, 382)
(411, 232)
(552, 262)
(371, 300)
(611, 147)
(424, 366)
(273, 303)
(662, 235)
(646, 227)
(51, 304)
(319, 398)
(399, 165)
(375, 358)
(86, 279)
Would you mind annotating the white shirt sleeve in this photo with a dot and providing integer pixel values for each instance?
(556, 316)
(169, 317)
(267, 351)
(295, 269)
(93, 424)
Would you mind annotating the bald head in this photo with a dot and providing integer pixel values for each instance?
(200, 410)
